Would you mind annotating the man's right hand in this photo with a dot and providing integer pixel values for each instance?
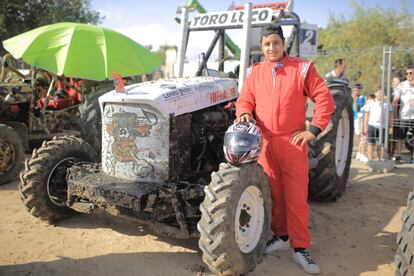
(245, 118)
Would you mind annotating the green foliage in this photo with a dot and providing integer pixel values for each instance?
(360, 40)
(19, 16)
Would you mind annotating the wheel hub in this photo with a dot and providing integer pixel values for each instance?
(249, 219)
(56, 183)
(7, 155)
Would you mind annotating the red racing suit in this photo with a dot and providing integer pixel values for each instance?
(275, 94)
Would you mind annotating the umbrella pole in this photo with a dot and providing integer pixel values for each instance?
(49, 92)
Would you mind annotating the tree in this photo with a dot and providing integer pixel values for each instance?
(360, 40)
(19, 16)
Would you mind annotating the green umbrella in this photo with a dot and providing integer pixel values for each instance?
(82, 51)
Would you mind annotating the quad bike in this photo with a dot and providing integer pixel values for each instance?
(162, 162)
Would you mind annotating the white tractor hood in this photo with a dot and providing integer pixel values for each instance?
(176, 96)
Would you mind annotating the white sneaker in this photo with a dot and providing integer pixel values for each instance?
(363, 158)
(303, 258)
(277, 243)
(358, 156)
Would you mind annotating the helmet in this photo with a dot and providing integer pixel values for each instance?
(242, 143)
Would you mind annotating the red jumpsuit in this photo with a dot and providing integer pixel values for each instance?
(275, 94)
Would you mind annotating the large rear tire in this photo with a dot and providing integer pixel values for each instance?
(11, 154)
(328, 180)
(404, 257)
(90, 121)
(235, 219)
(43, 186)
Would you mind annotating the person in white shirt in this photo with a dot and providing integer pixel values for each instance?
(373, 123)
(404, 93)
(363, 136)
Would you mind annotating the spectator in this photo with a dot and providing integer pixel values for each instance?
(373, 123)
(396, 110)
(339, 71)
(404, 93)
(363, 136)
(395, 82)
(145, 78)
(359, 102)
(157, 75)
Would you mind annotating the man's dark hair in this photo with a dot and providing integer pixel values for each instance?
(339, 61)
(272, 28)
(411, 66)
(372, 96)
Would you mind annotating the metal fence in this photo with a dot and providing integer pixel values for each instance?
(376, 69)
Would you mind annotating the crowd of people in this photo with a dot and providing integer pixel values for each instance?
(370, 116)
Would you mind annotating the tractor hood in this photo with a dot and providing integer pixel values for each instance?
(176, 96)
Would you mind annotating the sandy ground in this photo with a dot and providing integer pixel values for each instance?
(353, 236)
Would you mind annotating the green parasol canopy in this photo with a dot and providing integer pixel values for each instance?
(82, 51)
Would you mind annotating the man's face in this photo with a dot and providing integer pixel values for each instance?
(378, 94)
(273, 47)
(340, 68)
(395, 82)
(356, 92)
(410, 74)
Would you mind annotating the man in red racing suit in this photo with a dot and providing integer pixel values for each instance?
(274, 96)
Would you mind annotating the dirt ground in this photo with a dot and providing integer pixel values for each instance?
(353, 236)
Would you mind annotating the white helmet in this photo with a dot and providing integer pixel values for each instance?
(242, 143)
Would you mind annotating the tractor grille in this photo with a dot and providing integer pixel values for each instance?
(135, 142)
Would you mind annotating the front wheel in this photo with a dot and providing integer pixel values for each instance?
(43, 186)
(11, 154)
(235, 219)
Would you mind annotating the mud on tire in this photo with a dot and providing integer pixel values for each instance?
(43, 184)
(334, 151)
(227, 213)
(404, 257)
(11, 154)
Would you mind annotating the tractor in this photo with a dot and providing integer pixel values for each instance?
(162, 160)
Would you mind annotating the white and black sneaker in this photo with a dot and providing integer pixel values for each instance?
(276, 243)
(303, 258)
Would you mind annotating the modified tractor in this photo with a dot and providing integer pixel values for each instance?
(162, 160)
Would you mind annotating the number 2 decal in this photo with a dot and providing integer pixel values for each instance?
(308, 36)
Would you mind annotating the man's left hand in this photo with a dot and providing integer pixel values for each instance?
(302, 137)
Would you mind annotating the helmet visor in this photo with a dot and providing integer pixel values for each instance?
(239, 143)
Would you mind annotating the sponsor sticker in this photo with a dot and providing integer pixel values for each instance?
(177, 93)
(220, 96)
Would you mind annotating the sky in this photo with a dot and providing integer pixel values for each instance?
(151, 22)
